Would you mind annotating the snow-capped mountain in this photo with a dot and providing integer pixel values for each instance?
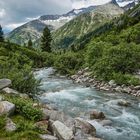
(33, 29)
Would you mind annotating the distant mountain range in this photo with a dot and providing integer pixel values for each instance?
(33, 29)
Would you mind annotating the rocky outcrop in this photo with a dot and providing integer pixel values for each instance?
(62, 131)
(84, 77)
(5, 83)
(6, 108)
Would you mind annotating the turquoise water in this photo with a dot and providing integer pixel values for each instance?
(76, 100)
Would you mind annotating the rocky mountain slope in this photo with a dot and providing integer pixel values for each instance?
(33, 29)
(71, 32)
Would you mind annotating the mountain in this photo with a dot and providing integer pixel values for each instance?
(33, 29)
(71, 32)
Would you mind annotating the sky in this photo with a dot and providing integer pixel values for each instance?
(14, 13)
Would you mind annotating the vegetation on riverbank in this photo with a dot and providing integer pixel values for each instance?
(25, 117)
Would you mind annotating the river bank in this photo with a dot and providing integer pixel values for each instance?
(84, 77)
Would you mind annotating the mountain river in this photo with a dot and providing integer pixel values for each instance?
(77, 101)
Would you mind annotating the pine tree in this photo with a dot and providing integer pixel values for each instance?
(46, 40)
(1, 35)
(30, 44)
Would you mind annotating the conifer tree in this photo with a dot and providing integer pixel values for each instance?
(46, 40)
(30, 44)
(1, 35)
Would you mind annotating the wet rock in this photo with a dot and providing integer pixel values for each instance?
(9, 90)
(124, 103)
(5, 83)
(96, 115)
(42, 125)
(58, 115)
(6, 108)
(137, 87)
(126, 90)
(106, 122)
(10, 125)
(62, 131)
(47, 137)
(112, 83)
(83, 127)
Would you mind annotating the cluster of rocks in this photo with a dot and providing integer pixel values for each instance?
(65, 127)
(84, 77)
(55, 124)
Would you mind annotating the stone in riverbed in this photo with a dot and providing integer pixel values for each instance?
(62, 131)
(106, 122)
(93, 138)
(5, 83)
(6, 108)
(137, 87)
(124, 103)
(47, 137)
(97, 115)
(84, 127)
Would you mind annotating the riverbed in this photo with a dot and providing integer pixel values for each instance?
(77, 101)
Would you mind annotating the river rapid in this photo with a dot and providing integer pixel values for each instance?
(77, 101)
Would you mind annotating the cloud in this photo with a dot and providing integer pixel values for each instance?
(16, 12)
(86, 3)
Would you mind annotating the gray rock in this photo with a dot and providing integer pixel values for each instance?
(137, 87)
(84, 127)
(47, 137)
(97, 115)
(126, 90)
(5, 83)
(6, 108)
(62, 131)
(57, 115)
(112, 83)
(9, 90)
(118, 89)
(10, 125)
(124, 103)
(93, 138)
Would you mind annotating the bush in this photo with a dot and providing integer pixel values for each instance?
(25, 108)
(68, 63)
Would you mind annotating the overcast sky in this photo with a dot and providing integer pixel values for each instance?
(14, 13)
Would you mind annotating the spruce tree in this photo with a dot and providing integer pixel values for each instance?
(30, 44)
(46, 40)
(1, 35)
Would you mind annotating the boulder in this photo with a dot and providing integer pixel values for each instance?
(85, 127)
(126, 90)
(47, 137)
(112, 83)
(62, 131)
(124, 103)
(137, 87)
(10, 125)
(6, 108)
(58, 115)
(42, 125)
(5, 83)
(9, 90)
(97, 115)
(118, 89)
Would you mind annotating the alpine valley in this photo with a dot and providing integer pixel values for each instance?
(90, 15)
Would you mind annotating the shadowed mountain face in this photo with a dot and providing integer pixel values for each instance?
(33, 29)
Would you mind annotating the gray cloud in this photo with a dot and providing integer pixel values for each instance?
(16, 12)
